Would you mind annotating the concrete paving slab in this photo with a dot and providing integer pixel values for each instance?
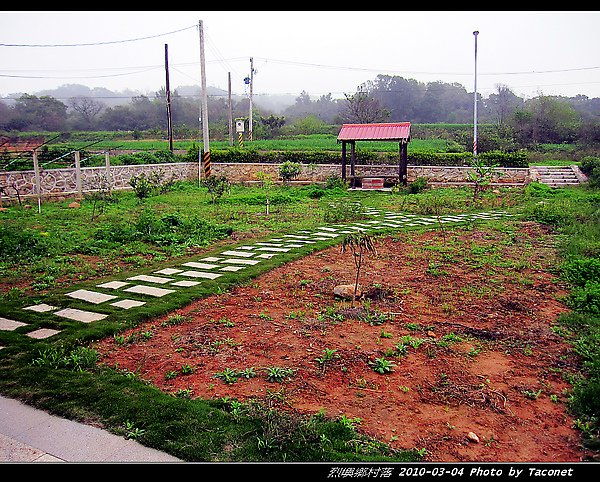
(272, 245)
(185, 283)
(41, 308)
(269, 248)
(240, 261)
(91, 296)
(128, 304)
(113, 285)
(149, 290)
(232, 268)
(168, 271)
(193, 264)
(42, 333)
(14, 451)
(267, 255)
(211, 259)
(200, 274)
(10, 325)
(248, 248)
(80, 315)
(291, 246)
(151, 279)
(243, 254)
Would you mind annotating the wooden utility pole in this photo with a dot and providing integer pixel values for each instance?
(168, 95)
(230, 111)
(205, 140)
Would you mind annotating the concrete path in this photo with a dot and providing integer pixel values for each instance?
(29, 435)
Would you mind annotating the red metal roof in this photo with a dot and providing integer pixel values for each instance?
(388, 131)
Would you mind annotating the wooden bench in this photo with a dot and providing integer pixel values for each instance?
(372, 183)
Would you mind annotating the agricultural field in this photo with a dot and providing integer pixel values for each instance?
(484, 328)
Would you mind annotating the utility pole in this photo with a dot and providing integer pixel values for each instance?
(205, 140)
(250, 113)
(168, 95)
(475, 103)
(230, 111)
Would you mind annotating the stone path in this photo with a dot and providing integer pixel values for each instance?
(136, 291)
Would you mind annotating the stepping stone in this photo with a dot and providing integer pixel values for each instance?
(41, 308)
(200, 274)
(232, 268)
(127, 304)
(168, 271)
(211, 259)
(200, 265)
(329, 235)
(115, 285)
(10, 325)
(150, 279)
(243, 254)
(80, 315)
(185, 283)
(295, 236)
(42, 333)
(240, 261)
(294, 246)
(268, 248)
(267, 255)
(90, 296)
(149, 290)
(247, 247)
(273, 245)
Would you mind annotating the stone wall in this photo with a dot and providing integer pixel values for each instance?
(74, 182)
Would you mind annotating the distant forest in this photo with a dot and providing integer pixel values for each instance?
(542, 119)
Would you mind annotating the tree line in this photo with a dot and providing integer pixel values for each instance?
(516, 121)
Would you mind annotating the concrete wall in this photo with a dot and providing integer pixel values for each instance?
(76, 182)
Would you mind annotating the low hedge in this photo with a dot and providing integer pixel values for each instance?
(502, 159)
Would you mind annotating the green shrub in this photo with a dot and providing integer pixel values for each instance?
(580, 271)
(290, 170)
(23, 243)
(590, 166)
(585, 299)
(418, 185)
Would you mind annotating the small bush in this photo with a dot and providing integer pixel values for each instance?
(579, 271)
(290, 170)
(585, 299)
(418, 185)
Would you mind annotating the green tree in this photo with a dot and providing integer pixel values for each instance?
(40, 113)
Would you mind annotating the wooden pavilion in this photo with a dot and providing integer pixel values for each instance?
(389, 131)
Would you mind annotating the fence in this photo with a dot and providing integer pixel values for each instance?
(77, 181)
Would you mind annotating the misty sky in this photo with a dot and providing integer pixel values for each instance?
(320, 52)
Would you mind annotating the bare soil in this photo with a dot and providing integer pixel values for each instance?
(487, 345)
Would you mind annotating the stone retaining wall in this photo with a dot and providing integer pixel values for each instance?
(73, 182)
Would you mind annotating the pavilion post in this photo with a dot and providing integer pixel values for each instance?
(403, 167)
(343, 160)
(353, 162)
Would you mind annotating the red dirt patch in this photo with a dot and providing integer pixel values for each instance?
(484, 328)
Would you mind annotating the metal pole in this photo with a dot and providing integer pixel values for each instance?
(250, 113)
(205, 140)
(230, 109)
(475, 103)
(168, 98)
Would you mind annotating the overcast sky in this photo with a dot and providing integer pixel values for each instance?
(320, 52)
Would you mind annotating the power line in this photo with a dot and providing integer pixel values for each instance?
(97, 43)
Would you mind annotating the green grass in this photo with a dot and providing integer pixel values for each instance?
(61, 249)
